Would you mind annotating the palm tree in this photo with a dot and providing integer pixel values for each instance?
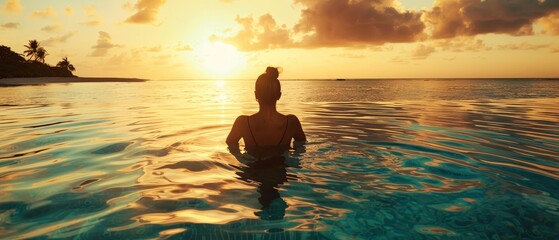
(41, 54)
(32, 49)
(66, 64)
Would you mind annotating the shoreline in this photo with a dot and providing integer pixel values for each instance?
(15, 82)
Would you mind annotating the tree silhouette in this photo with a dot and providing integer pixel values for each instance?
(32, 49)
(41, 54)
(66, 64)
(9, 56)
(13, 64)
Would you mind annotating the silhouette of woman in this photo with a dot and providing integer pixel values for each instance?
(267, 135)
(267, 128)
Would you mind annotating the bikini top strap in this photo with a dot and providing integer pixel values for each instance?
(282, 136)
(250, 129)
(285, 130)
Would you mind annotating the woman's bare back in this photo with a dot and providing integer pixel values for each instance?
(267, 127)
(265, 131)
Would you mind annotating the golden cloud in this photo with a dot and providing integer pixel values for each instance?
(146, 11)
(451, 18)
(47, 12)
(52, 28)
(183, 47)
(60, 39)
(523, 46)
(9, 25)
(104, 44)
(357, 22)
(13, 6)
(551, 23)
(93, 23)
(461, 44)
(69, 10)
(331, 23)
(422, 52)
(91, 13)
(263, 34)
(365, 23)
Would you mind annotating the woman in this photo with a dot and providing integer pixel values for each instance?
(267, 135)
(267, 128)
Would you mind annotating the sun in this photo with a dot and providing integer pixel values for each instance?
(220, 59)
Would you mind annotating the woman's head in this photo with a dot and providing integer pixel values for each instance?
(267, 87)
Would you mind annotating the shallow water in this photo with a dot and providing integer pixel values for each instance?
(409, 159)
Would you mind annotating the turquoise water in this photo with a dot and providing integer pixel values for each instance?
(386, 159)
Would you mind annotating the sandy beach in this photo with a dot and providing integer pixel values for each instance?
(13, 82)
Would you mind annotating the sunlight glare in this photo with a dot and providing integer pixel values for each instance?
(219, 84)
(220, 59)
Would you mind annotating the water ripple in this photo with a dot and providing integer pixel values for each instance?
(105, 167)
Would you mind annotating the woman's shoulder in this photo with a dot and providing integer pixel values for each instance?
(292, 118)
(241, 118)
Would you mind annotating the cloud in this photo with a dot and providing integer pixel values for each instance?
(183, 47)
(155, 49)
(146, 11)
(130, 57)
(451, 18)
(56, 40)
(104, 44)
(259, 35)
(119, 59)
(349, 55)
(47, 12)
(522, 46)
(9, 25)
(128, 6)
(69, 11)
(400, 59)
(331, 23)
(358, 22)
(422, 52)
(162, 59)
(461, 44)
(91, 13)
(52, 28)
(13, 6)
(550, 23)
(366, 23)
(93, 23)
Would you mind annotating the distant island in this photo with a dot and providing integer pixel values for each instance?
(15, 70)
(14, 82)
(14, 65)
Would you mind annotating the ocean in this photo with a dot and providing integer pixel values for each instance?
(385, 159)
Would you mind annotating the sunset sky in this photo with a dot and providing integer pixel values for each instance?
(171, 39)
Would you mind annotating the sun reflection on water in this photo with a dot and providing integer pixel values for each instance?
(149, 160)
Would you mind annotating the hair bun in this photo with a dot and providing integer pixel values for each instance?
(272, 72)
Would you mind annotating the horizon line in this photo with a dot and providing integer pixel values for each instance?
(362, 78)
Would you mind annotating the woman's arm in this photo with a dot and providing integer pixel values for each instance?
(298, 135)
(234, 136)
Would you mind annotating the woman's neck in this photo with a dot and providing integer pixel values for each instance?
(267, 109)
